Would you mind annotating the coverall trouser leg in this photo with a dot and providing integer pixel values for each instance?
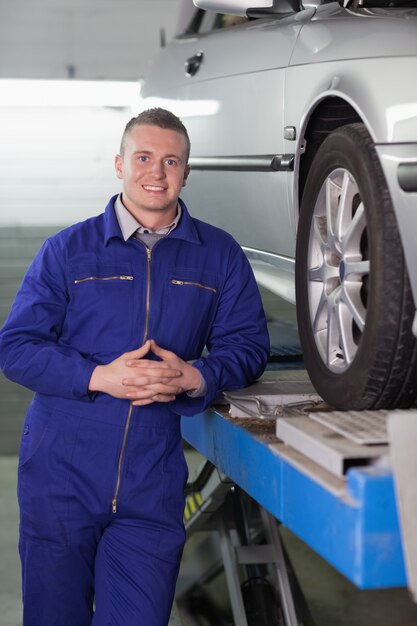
(82, 565)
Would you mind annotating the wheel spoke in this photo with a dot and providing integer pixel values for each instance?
(319, 229)
(351, 298)
(320, 314)
(322, 273)
(334, 354)
(338, 347)
(348, 190)
(332, 195)
(354, 231)
(359, 268)
(346, 340)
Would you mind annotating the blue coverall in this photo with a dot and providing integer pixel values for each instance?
(100, 482)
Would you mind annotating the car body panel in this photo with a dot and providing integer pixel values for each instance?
(337, 33)
(390, 114)
(259, 78)
(209, 101)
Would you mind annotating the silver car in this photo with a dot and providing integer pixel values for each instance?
(303, 122)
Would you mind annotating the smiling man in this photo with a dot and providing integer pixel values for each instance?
(153, 164)
(108, 329)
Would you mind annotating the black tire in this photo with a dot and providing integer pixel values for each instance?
(355, 310)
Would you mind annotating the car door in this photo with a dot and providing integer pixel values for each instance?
(227, 86)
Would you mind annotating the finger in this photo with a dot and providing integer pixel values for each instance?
(151, 390)
(153, 365)
(167, 376)
(139, 352)
(161, 352)
(158, 398)
(143, 402)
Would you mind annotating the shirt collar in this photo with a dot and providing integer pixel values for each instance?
(185, 230)
(129, 224)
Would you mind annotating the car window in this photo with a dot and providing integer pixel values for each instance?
(206, 21)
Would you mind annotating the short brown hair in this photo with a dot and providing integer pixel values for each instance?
(157, 117)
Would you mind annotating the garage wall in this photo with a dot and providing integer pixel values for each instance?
(18, 245)
(82, 38)
(56, 168)
(56, 162)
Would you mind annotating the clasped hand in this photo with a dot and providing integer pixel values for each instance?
(144, 381)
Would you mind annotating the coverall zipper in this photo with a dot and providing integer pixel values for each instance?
(119, 465)
(188, 282)
(122, 277)
(129, 415)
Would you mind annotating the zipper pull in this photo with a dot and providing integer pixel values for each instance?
(114, 505)
(177, 282)
(126, 277)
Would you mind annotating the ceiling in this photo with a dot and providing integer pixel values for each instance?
(95, 39)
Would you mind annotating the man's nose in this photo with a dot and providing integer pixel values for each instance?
(158, 169)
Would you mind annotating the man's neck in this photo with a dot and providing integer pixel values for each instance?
(154, 220)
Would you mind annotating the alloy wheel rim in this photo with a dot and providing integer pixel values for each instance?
(338, 268)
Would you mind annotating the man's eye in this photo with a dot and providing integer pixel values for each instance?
(171, 162)
(143, 158)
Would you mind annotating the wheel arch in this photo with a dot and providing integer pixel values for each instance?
(326, 115)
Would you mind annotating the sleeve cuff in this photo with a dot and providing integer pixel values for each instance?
(201, 389)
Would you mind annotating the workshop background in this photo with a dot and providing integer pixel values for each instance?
(70, 74)
(58, 139)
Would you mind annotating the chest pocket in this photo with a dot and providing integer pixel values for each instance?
(190, 305)
(100, 313)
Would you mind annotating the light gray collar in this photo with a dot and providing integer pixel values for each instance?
(129, 225)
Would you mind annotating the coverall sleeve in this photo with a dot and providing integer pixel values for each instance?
(30, 353)
(238, 343)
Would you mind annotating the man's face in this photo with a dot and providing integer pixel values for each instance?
(153, 169)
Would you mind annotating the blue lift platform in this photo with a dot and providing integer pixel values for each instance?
(351, 521)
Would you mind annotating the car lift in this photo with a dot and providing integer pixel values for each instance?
(320, 473)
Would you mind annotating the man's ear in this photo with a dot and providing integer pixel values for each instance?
(186, 174)
(118, 164)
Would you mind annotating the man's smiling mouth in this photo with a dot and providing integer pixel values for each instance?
(153, 188)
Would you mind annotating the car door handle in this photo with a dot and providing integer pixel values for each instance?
(192, 65)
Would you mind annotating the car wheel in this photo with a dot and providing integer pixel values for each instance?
(354, 304)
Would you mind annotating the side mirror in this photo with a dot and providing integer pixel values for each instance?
(233, 7)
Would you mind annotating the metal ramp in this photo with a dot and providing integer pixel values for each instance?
(327, 510)
(339, 480)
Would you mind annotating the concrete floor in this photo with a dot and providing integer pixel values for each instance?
(9, 563)
(335, 601)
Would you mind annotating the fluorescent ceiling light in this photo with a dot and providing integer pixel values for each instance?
(68, 93)
(184, 108)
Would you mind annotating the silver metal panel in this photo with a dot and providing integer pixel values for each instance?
(273, 271)
(333, 484)
(328, 449)
(402, 429)
(361, 427)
